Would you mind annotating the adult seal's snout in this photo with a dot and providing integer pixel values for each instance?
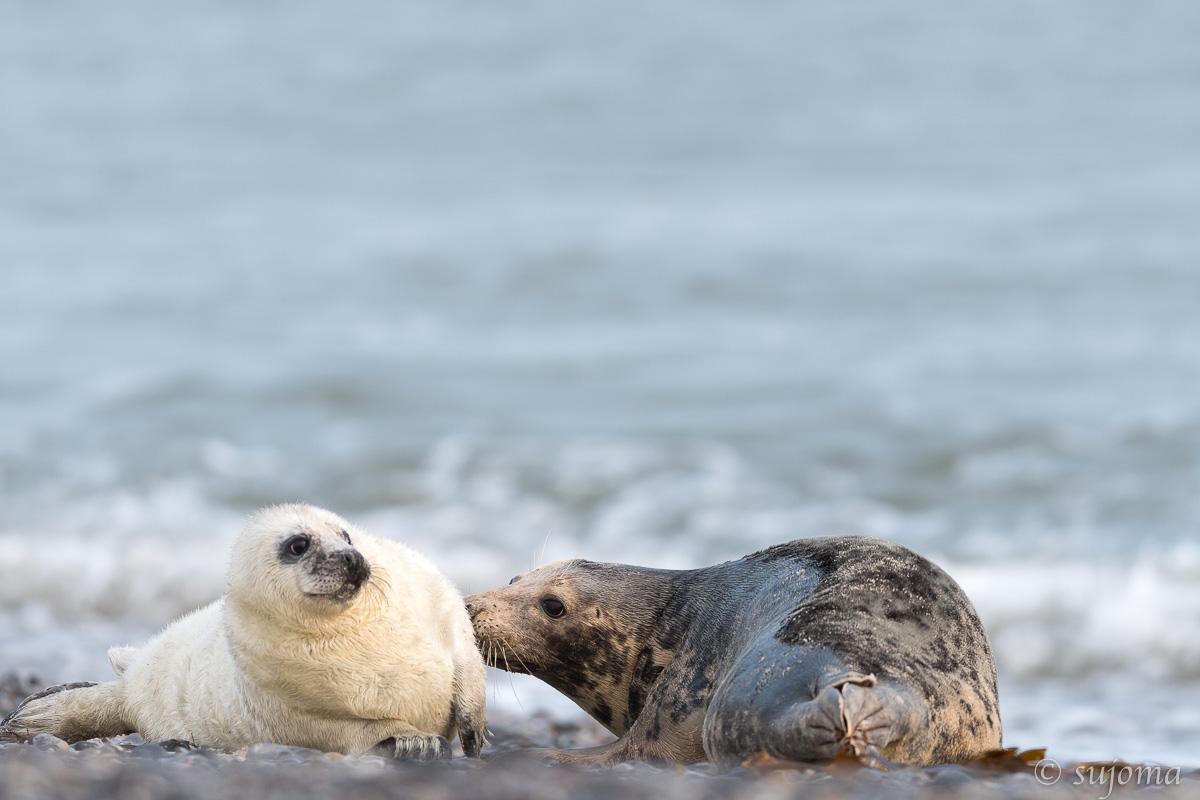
(801, 651)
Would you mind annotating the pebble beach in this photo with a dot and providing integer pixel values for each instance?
(49, 768)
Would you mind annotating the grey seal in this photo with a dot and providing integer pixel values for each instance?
(802, 651)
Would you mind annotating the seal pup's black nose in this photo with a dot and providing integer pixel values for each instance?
(358, 571)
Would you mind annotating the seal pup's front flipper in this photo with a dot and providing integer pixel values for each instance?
(70, 711)
(470, 703)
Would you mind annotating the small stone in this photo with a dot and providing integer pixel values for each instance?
(267, 751)
(87, 744)
(704, 768)
(174, 745)
(154, 752)
(48, 741)
(869, 776)
(951, 777)
(204, 754)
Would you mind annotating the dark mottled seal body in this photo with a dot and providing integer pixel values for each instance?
(801, 651)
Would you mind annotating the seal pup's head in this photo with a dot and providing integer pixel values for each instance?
(297, 560)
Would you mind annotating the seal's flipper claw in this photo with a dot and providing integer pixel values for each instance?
(472, 741)
(420, 747)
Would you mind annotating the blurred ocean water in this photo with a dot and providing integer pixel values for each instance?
(656, 284)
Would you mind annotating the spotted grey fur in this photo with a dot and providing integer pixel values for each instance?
(800, 651)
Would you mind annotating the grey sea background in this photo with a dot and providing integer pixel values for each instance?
(658, 283)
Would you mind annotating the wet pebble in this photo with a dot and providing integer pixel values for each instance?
(282, 752)
(635, 768)
(88, 744)
(203, 754)
(951, 777)
(174, 745)
(869, 777)
(703, 768)
(47, 741)
(153, 751)
(175, 769)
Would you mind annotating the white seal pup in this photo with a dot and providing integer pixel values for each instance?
(326, 637)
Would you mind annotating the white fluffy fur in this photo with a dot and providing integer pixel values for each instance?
(270, 662)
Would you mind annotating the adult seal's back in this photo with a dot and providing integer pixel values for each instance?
(801, 651)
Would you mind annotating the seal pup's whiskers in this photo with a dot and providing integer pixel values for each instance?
(381, 586)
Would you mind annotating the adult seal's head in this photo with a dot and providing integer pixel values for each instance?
(297, 561)
(579, 626)
(801, 651)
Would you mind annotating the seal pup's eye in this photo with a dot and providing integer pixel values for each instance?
(553, 607)
(514, 580)
(297, 545)
(346, 536)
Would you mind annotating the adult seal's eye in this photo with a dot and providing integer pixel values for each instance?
(297, 545)
(553, 607)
